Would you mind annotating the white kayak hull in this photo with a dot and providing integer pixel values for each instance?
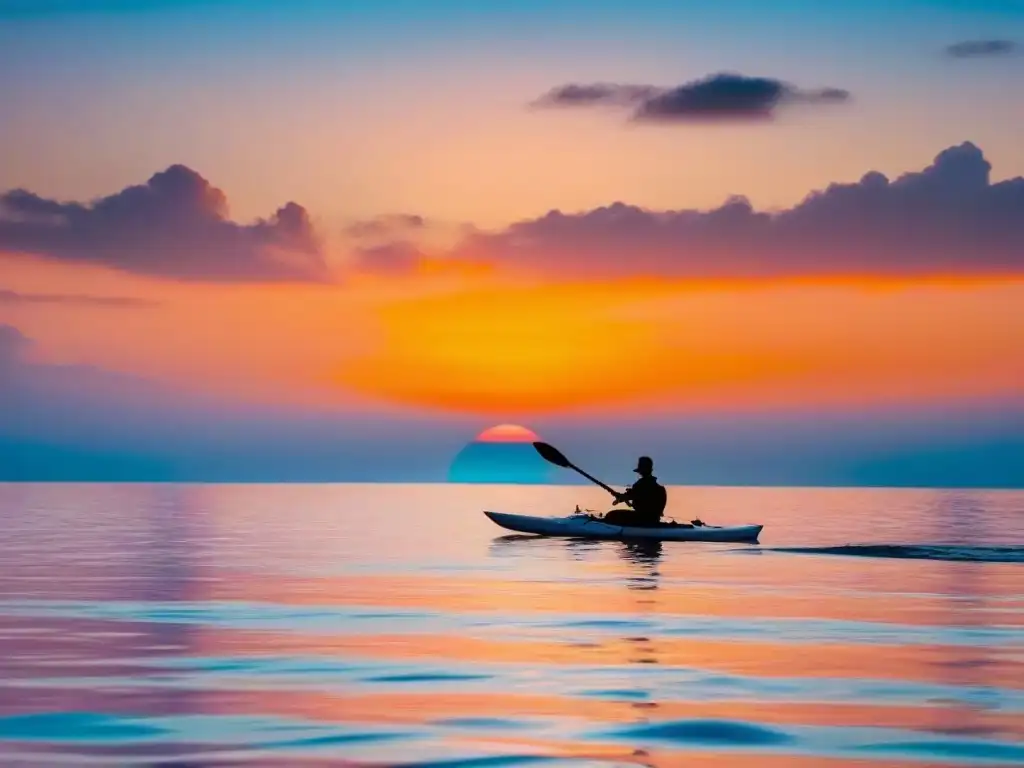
(581, 526)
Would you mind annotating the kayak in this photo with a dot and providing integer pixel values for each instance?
(585, 527)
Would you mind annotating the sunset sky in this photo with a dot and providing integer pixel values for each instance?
(765, 242)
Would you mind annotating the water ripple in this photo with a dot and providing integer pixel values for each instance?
(916, 552)
(343, 619)
(720, 732)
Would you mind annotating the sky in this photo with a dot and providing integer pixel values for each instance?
(768, 243)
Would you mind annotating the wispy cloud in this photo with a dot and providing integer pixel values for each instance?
(75, 300)
(386, 225)
(973, 49)
(585, 95)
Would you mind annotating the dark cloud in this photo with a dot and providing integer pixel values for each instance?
(729, 97)
(947, 218)
(175, 225)
(723, 96)
(75, 299)
(970, 49)
(387, 225)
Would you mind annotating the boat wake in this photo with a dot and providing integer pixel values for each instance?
(952, 552)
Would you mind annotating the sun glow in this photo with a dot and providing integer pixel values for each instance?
(507, 433)
(568, 346)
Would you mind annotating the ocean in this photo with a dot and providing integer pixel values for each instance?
(395, 625)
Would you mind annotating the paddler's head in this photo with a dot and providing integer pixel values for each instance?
(644, 466)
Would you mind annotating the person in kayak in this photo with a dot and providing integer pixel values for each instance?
(647, 496)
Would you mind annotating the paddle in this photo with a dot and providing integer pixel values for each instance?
(556, 457)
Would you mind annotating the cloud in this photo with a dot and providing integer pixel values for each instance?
(948, 218)
(28, 388)
(12, 344)
(75, 299)
(387, 225)
(973, 49)
(730, 97)
(576, 95)
(723, 96)
(398, 256)
(80, 422)
(175, 225)
(389, 243)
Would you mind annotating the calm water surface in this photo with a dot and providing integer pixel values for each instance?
(396, 625)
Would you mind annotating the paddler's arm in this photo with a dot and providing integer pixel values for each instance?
(626, 495)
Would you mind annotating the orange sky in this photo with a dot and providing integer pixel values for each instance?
(607, 344)
(358, 112)
(500, 344)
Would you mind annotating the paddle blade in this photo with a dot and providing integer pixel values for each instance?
(552, 454)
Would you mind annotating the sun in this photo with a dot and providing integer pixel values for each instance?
(507, 433)
(501, 454)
